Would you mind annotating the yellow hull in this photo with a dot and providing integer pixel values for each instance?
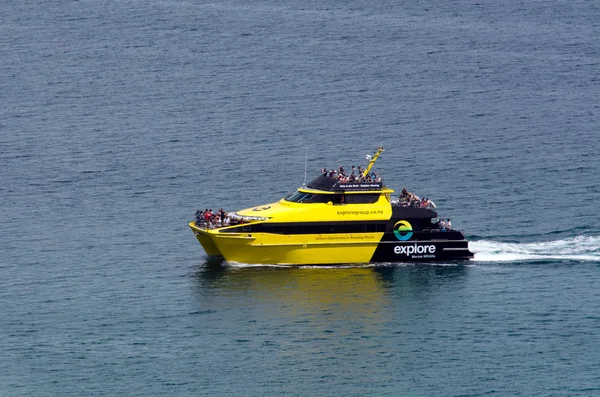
(206, 241)
(305, 249)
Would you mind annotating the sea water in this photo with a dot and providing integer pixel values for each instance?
(119, 119)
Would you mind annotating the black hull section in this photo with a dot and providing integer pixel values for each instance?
(426, 245)
(421, 251)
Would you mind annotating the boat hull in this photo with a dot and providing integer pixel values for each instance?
(327, 249)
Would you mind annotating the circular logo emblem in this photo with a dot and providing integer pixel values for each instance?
(261, 208)
(403, 230)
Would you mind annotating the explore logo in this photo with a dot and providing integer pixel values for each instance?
(403, 230)
(424, 251)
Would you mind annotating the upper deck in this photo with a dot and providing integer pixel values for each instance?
(327, 184)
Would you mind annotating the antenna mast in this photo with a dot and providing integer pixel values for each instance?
(305, 165)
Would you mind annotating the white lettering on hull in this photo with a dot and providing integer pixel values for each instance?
(424, 251)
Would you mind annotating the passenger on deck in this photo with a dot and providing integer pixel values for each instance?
(448, 224)
(353, 172)
(428, 204)
(199, 217)
(341, 171)
(442, 224)
(414, 200)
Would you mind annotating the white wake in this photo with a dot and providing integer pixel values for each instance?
(581, 248)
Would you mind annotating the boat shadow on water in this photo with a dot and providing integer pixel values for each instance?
(347, 283)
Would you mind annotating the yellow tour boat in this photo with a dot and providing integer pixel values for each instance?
(336, 219)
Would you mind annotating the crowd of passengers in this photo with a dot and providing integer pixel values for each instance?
(356, 174)
(208, 219)
(409, 199)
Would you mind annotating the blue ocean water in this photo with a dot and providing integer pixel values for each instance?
(120, 118)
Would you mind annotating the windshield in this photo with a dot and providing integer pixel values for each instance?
(301, 197)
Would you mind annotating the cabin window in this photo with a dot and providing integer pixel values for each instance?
(310, 228)
(367, 198)
(301, 197)
(320, 198)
